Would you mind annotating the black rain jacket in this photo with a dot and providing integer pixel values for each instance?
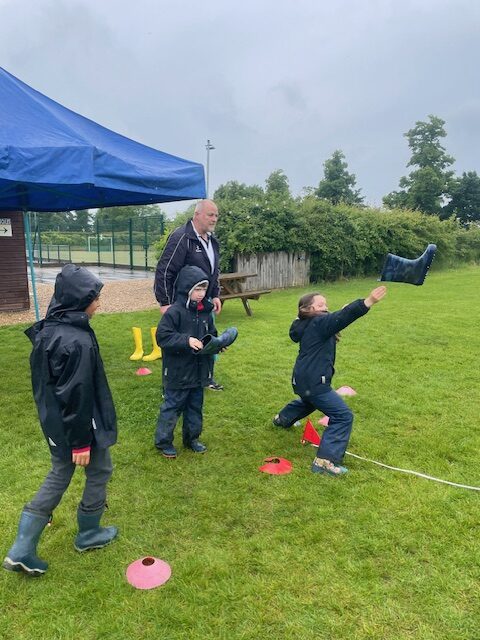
(314, 366)
(182, 368)
(70, 387)
(184, 248)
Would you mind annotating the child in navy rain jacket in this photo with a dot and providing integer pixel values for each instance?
(185, 371)
(77, 416)
(315, 329)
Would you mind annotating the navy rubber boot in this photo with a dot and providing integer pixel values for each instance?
(398, 269)
(23, 554)
(90, 534)
(214, 344)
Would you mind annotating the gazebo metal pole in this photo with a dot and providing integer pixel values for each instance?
(26, 224)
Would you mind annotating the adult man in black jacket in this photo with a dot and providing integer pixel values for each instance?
(192, 244)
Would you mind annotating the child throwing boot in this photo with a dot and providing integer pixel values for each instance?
(315, 330)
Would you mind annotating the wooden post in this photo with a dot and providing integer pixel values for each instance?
(13, 263)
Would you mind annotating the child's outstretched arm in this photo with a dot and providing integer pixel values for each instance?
(375, 296)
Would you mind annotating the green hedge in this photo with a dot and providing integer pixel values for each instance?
(349, 241)
(342, 240)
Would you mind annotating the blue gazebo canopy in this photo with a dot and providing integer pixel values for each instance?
(52, 159)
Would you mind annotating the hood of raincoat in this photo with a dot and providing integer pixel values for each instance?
(189, 277)
(298, 328)
(75, 288)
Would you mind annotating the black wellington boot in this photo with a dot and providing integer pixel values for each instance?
(214, 344)
(398, 269)
(23, 554)
(90, 534)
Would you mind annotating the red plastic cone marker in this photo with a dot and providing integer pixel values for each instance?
(148, 573)
(324, 421)
(143, 371)
(310, 434)
(346, 391)
(276, 466)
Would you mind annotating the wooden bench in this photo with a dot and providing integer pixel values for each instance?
(232, 286)
(245, 296)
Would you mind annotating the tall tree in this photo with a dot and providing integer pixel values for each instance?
(465, 198)
(338, 184)
(428, 185)
(277, 184)
(234, 190)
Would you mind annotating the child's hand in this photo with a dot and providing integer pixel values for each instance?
(375, 296)
(81, 459)
(195, 344)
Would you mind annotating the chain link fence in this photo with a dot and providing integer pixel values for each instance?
(121, 243)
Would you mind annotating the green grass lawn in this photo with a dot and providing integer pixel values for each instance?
(377, 554)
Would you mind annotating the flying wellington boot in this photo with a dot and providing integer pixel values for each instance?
(156, 351)
(398, 269)
(137, 336)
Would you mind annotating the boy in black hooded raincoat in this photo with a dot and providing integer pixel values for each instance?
(185, 371)
(77, 416)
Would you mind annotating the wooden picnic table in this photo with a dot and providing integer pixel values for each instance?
(233, 286)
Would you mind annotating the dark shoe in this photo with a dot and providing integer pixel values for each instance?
(23, 554)
(168, 452)
(214, 344)
(319, 465)
(197, 446)
(277, 422)
(214, 386)
(90, 534)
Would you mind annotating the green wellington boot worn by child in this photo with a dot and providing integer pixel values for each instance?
(137, 336)
(90, 534)
(23, 554)
(156, 351)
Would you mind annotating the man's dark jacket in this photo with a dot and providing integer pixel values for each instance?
(182, 368)
(314, 367)
(184, 248)
(70, 387)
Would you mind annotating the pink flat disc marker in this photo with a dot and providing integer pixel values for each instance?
(143, 371)
(323, 421)
(148, 573)
(346, 391)
(276, 466)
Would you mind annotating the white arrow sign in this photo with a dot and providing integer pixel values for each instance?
(5, 227)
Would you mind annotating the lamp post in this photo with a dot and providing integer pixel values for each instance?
(209, 147)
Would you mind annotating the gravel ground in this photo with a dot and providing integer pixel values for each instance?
(118, 295)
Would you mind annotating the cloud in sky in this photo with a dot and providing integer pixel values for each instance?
(274, 84)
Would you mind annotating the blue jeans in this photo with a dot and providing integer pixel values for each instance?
(336, 436)
(189, 402)
(97, 475)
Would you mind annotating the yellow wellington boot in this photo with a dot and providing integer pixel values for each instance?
(137, 336)
(156, 351)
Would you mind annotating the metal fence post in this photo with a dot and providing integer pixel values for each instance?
(145, 242)
(98, 243)
(40, 259)
(130, 238)
(113, 243)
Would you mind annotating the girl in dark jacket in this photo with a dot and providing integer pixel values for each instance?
(315, 329)
(185, 370)
(77, 415)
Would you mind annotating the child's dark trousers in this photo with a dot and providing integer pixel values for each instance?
(97, 475)
(340, 421)
(188, 402)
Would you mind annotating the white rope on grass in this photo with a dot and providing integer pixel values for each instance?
(414, 473)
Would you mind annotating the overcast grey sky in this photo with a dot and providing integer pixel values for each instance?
(275, 84)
